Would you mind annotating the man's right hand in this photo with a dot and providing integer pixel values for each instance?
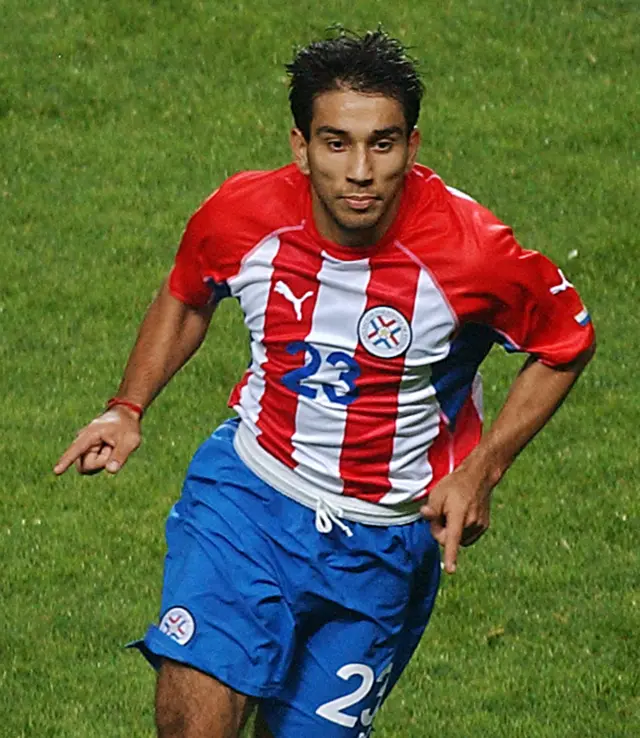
(106, 443)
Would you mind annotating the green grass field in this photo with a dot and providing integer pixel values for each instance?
(116, 120)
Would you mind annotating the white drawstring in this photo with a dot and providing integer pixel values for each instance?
(327, 515)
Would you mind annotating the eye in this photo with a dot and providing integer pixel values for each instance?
(383, 145)
(335, 144)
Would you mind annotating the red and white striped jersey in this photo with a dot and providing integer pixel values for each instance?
(363, 375)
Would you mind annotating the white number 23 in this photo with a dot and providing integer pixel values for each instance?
(334, 710)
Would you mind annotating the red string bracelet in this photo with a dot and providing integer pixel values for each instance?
(115, 401)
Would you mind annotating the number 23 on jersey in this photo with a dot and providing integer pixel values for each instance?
(343, 393)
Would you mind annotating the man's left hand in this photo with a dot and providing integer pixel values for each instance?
(458, 509)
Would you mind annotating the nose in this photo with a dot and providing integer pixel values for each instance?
(359, 170)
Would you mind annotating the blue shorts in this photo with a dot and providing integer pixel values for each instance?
(317, 626)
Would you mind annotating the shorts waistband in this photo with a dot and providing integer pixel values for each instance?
(289, 483)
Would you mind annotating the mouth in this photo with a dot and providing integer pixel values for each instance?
(359, 202)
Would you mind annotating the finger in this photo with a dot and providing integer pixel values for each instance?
(455, 526)
(121, 452)
(95, 459)
(81, 460)
(438, 531)
(471, 534)
(428, 512)
(105, 455)
(78, 448)
(87, 460)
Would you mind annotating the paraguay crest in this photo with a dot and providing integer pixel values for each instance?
(178, 623)
(384, 332)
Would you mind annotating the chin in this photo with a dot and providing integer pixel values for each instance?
(360, 222)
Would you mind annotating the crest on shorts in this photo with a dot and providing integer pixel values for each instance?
(178, 623)
(384, 332)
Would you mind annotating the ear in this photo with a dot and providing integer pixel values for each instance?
(299, 148)
(413, 146)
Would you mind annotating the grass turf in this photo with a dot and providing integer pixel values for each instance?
(116, 120)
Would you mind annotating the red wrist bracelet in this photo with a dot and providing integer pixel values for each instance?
(114, 401)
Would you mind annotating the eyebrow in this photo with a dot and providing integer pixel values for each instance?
(330, 129)
(380, 133)
(390, 131)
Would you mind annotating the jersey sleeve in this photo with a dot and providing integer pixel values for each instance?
(187, 280)
(532, 304)
(219, 234)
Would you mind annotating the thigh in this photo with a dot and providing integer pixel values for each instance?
(192, 704)
(354, 644)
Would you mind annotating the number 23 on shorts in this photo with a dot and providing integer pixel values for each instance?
(335, 709)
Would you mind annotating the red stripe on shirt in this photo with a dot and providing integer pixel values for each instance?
(441, 454)
(371, 419)
(295, 270)
(451, 447)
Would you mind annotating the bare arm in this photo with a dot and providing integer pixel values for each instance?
(458, 507)
(170, 334)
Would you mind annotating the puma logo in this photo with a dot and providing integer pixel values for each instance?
(564, 285)
(283, 289)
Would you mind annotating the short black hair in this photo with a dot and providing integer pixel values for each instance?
(373, 62)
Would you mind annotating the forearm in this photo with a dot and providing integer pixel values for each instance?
(535, 395)
(170, 334)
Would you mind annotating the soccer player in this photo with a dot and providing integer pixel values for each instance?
(303, 555)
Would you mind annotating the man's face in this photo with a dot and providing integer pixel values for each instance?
(357, 156)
